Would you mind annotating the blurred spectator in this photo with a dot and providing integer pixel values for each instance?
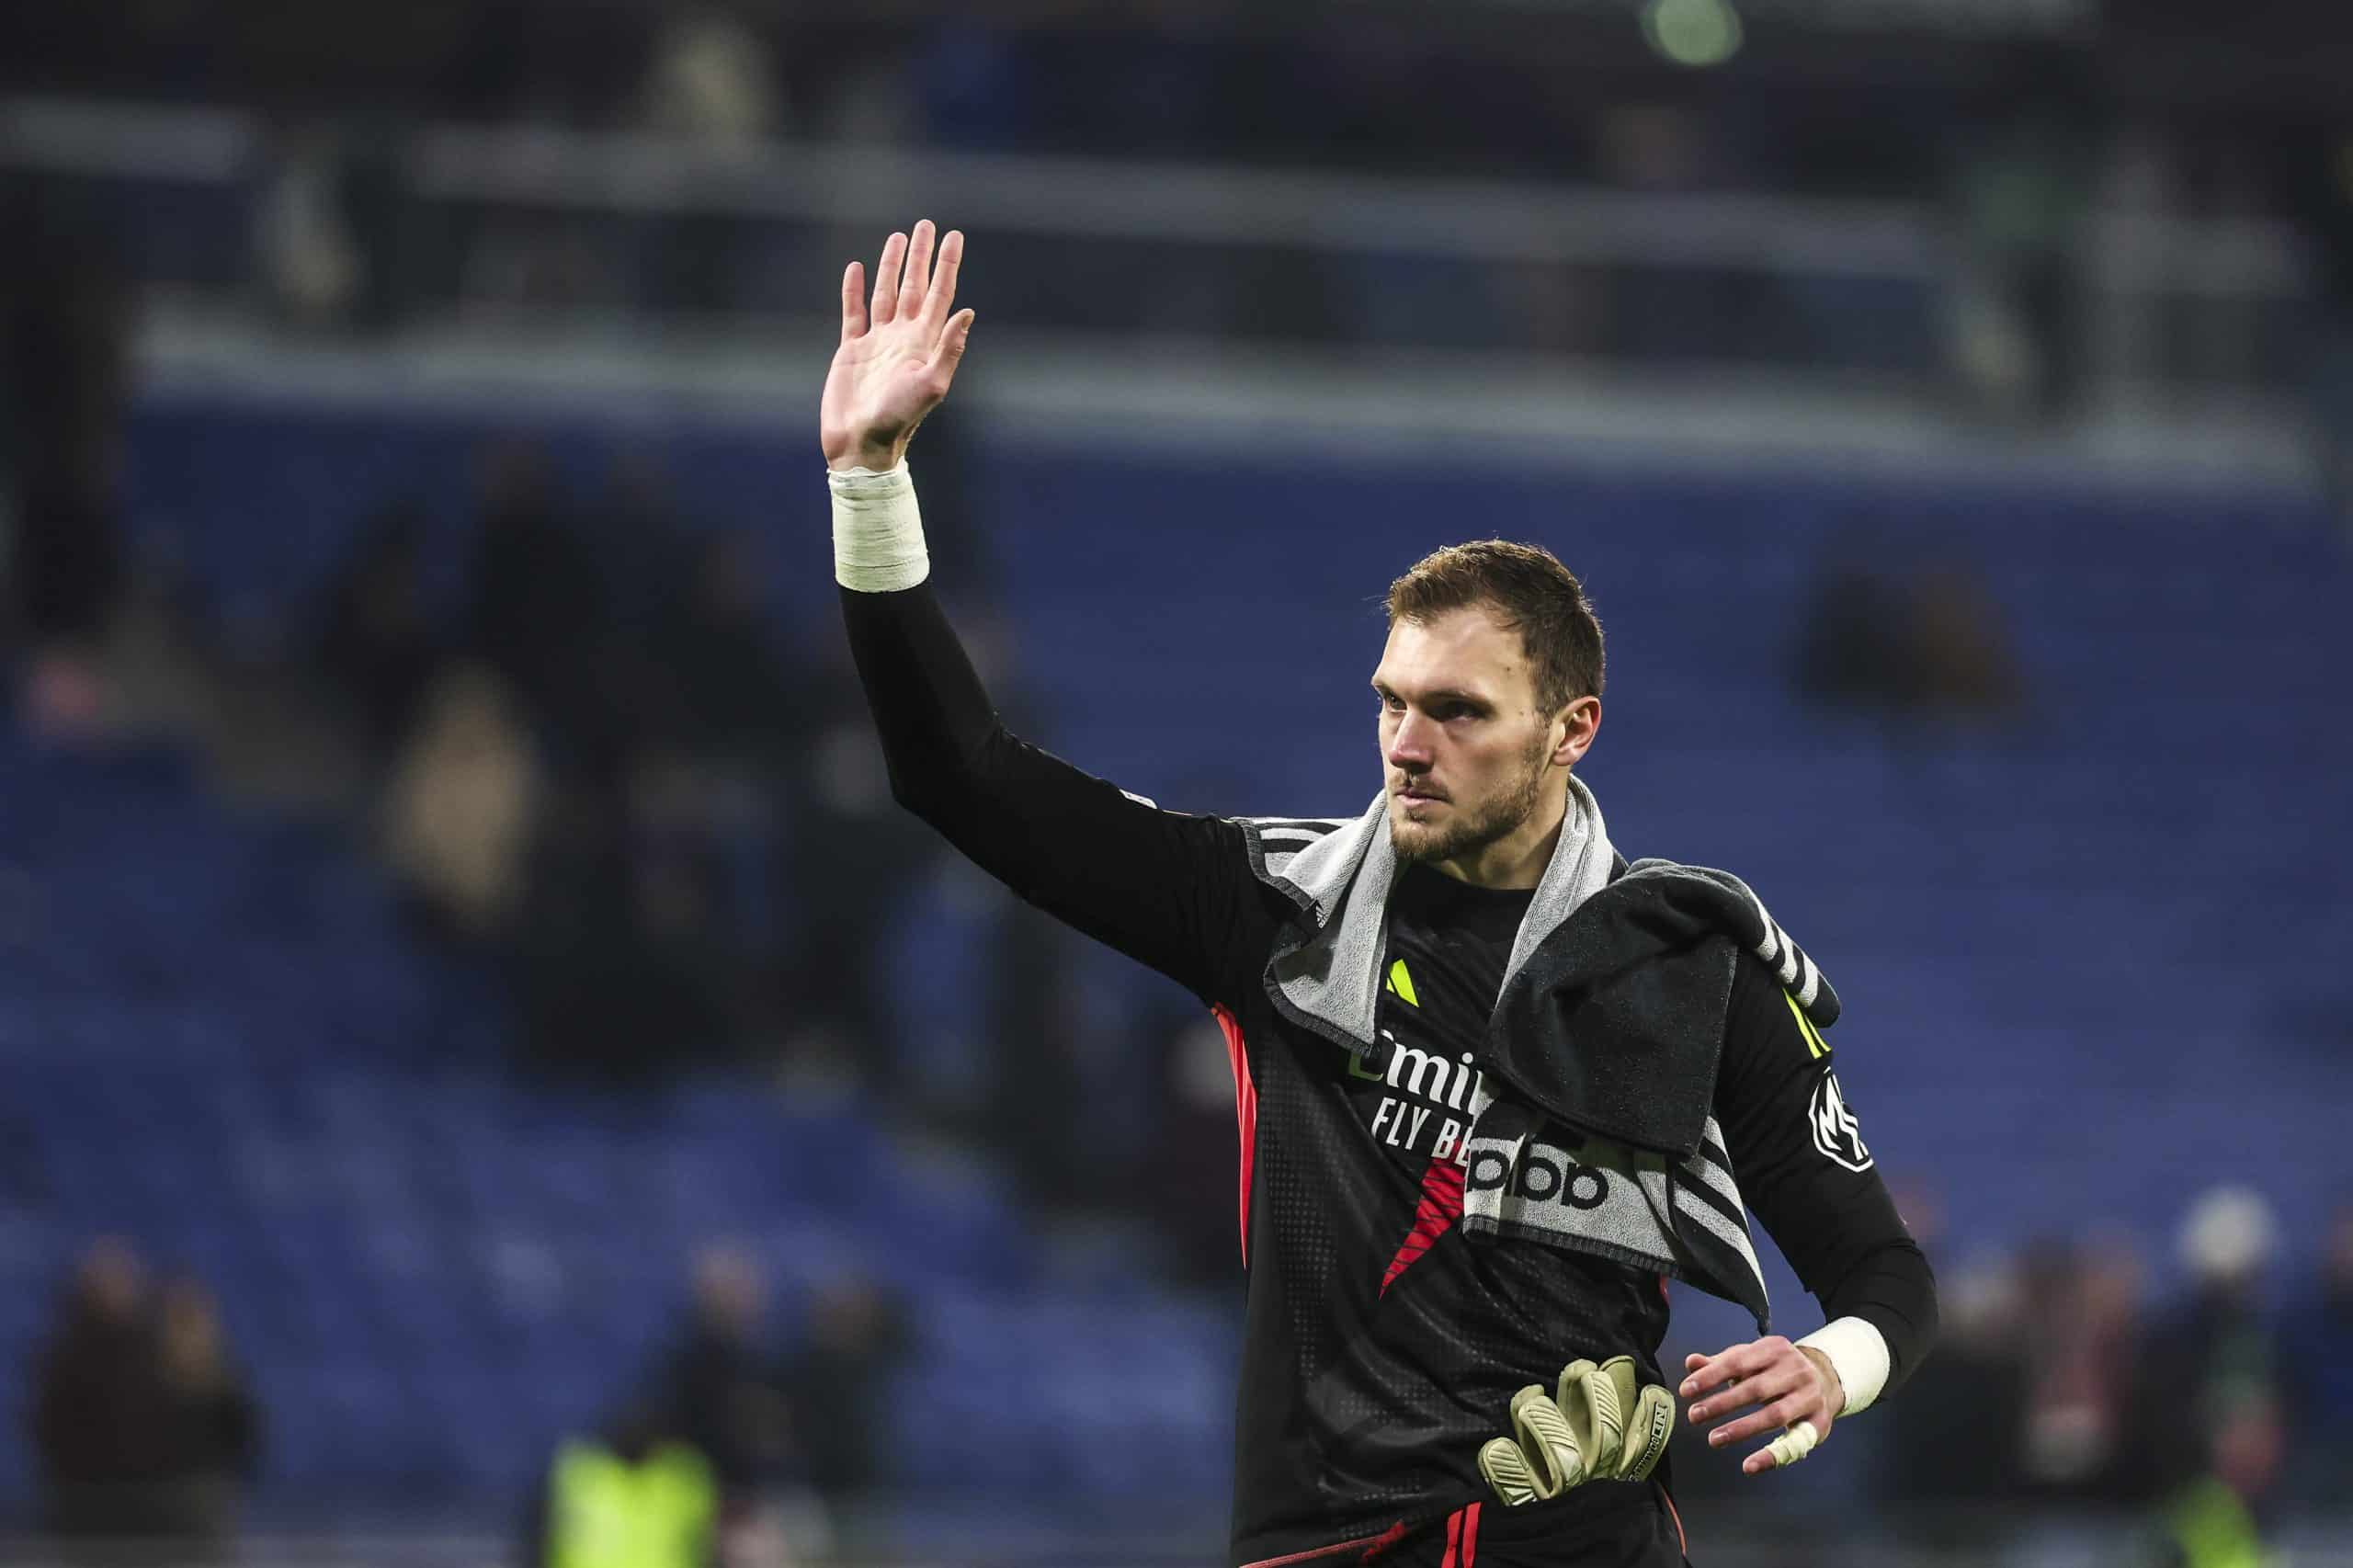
(2082, 1342)
(309, 262)
(209, 1432)
(636, 541)
(1924, 645)
(97, 1402)
(143, 1427)
(856, 1336)
(1851, 644)
(1035, 1107)
(718, 1382)
(1961, 659)
(1187, 1177)
(541, 616)
(646, 922)
(379, 643)
(2214, 1353)
(852, 855)
(461, 806)
(616, 964)
(725, 696)
(1952, 1440)
(2227, 1241)
(2221, 1518)
(2024, 191)
(710, 80)
(638, 1496)
(65, 328)
(2318, 1344)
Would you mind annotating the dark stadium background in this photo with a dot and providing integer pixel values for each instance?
(464, 987)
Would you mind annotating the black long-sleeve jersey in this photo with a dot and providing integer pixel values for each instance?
(1383, 1345)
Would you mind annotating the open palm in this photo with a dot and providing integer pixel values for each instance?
(896, 356)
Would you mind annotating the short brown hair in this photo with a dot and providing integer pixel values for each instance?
(1528, 589)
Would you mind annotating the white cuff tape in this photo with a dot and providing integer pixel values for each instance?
(1858, 1353)
(878, 530)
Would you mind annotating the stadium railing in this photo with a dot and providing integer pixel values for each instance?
(654, 227)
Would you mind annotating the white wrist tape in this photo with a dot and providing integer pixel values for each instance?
(1858, 1353)
(878, 530)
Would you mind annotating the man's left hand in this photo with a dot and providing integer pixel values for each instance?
(1779, 1384)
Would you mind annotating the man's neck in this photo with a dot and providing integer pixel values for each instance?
(1517, 860)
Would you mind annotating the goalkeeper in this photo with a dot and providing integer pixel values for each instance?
(1496, 1086)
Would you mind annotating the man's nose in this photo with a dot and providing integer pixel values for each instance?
(1409, 745)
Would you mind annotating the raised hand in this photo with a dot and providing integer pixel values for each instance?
(897, 356)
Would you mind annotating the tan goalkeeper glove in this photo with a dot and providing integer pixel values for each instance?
(1602, 1427)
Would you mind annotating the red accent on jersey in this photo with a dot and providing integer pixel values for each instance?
(1440, 1207)
(1246, 1114)
(1454, 1540)
(1470, 1534)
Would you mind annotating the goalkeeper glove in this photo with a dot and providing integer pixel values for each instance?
(1604, 1426)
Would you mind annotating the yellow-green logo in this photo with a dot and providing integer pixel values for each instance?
(1400, 984)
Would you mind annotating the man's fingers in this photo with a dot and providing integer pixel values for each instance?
(1780, 1414)
(936, 303)
(886, 279)
(1731, 1362)
(853, 301)
(950, 347)
(918, 272)
(1769, 1385)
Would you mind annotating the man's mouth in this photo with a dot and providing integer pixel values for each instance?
(1418, 792)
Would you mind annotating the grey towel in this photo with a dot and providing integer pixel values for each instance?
(1340, 871)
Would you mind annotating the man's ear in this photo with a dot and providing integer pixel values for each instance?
(1574, 730)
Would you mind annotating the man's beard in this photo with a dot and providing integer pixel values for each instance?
(1470, 833)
